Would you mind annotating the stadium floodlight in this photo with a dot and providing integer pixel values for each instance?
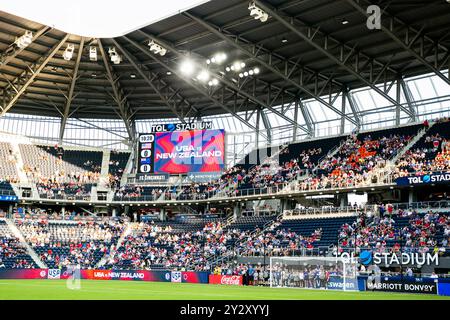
(68, 53)
(256, 70)
(227, 69)
(115, 57)
(246, 74)
(24, 40)
(241, 75)
(93, 53)
(218, 58)
(156, 48)
(203, 76)
(257, 13)
(213, 82)
(187, 67)
(237, 66)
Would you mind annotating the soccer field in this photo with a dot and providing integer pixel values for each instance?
(138, 290)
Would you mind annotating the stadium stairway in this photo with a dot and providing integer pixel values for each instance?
(104, 177)
(412, 142)
(271, 225)
(291, 185)
(113, 249)
(16, 232)
(19, 163)
(127, 170)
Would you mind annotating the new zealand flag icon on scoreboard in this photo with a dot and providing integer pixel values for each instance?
(145, 161)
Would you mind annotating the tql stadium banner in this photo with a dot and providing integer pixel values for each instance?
(125, 275)
(441, 178)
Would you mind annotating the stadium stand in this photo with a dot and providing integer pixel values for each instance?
(12, 254)
(55, 164)
(60, 244)
(6, 188)
(430, 154)
(117, 163)
(8, 171)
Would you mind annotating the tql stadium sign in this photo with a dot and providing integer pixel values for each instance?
(383, 258)
(425, 179)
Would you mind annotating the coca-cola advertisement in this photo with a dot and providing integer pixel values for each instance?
(224, 279)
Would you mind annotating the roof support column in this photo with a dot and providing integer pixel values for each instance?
(268, 127)
(398, 98)
(320, 41)
(70, 94)
(31, 72)
(342, 127)
(409, 99)
(308, 119)
(258, 116)
(118, 94)
(295, 128)
(353, 106)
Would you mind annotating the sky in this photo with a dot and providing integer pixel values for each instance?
(96, 18)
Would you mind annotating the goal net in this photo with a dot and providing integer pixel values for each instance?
(328, 273)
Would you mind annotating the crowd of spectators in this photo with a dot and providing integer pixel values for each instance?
(82, 243)
(11, 249)
(418, 233)
(355, 161)
(70, 190)
(151, 246)
(280, 242)
(432, 155)
(353, 165)
(134, 192)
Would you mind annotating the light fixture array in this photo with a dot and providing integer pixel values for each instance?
(115, 57)
(68, 53)
(257, 13)
(93, 53)
(24, 40)
(218, 58)
(156, 48)
(250, 72)
(188, 68)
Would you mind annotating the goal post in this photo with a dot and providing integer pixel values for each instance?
(327, 273)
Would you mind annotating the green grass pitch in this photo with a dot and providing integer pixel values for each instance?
(137, 290)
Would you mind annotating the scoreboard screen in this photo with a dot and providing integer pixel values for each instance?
(181, 152)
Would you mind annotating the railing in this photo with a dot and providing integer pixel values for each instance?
(279, 189)
(83, 197)
(328, 210)
(5, 192)
(442, 204)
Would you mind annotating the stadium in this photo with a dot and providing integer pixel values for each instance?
(225, 150)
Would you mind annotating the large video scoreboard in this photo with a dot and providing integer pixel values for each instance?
(181, 148)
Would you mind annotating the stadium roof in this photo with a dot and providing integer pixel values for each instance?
(307, 49)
